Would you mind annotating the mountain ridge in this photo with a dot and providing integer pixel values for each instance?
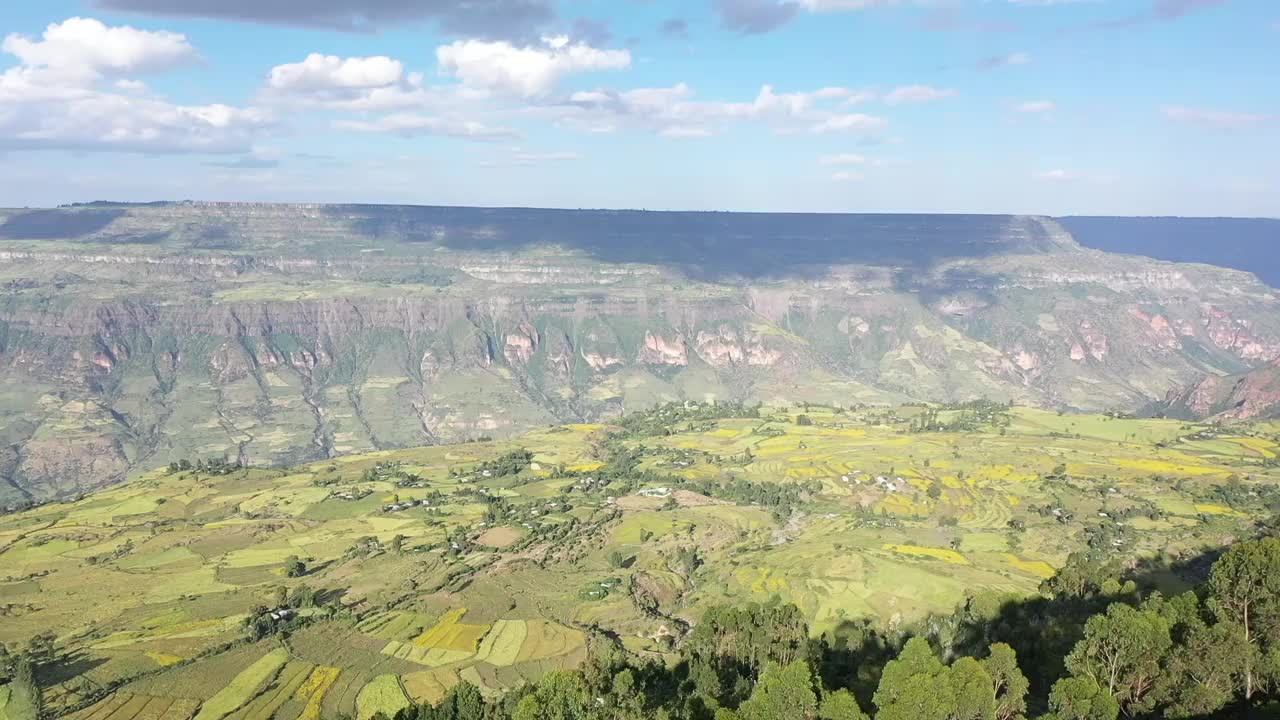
(280, 334)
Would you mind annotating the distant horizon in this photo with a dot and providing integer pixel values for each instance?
(145, 203)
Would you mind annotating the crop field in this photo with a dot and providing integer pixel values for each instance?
(427, 572)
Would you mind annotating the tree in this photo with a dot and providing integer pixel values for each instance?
(973, 694)
(840, 705)
(1244, 589)
(782, 692)
(397, 545)
(914, 686)
(466, 702)
(1122, 652)
(25, 699)
(1080, 698)
(293, 567)
(1008, 684)
(560, 695)
(1205, 669)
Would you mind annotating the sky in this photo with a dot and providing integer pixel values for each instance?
(1116, 107)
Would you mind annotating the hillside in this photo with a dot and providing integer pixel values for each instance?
(397, 575)
(1253, 395)
(132, 336)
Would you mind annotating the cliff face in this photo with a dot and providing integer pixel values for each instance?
(1253, 395)
(142, 335)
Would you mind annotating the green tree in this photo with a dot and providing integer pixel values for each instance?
(1244, 589)
(914, 686)
(397, 544)
(1205, 670)
(782, 692)
(972, 690)
(294, 567)
(560, 695)
(1008, 684)
(840, 705)
(1080, 698)
(1122, 651)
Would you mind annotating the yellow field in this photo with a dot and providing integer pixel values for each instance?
(950, 556)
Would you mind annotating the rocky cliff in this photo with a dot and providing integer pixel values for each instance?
(1251, 395)
(132, 336)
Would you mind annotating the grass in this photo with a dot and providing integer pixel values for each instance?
(382, 695)
(133, 601)
(313, 690)
(502, 645)
(449, 634)
(245, 686)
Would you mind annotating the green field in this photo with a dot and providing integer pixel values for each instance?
(498, 579)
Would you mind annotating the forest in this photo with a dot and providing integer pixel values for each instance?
(1095, 645)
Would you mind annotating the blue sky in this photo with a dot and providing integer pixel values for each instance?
(1130, 107)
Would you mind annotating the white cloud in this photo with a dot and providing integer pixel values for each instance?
(842, 159)
(673, 111)
(70, 91)
(1058, 174)
(323, 72)
(917, 93)
(1035, 106)
(845, 176)
(527, 72)
(353, 84)
(410, 125)
(852, 121)
(1218, 119)
(80, 51)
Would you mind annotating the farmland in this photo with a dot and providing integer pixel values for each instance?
(360, 584)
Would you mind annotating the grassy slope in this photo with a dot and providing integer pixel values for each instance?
(180, 558)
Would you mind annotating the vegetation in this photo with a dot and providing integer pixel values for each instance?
(725, 561)
(1140, 655)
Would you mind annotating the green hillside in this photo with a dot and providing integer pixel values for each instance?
(395, 575)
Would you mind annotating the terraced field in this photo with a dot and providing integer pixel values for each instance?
(427, 572)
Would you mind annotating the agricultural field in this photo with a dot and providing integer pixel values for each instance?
(360, 584)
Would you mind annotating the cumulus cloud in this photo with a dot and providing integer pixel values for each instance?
(845, 176)
(81, 51)
(356, 84)
(477, 18)
(1035, 106)
(528, 72)
(1217, 119)
(917, 93)
(410, 125)
(70, 91)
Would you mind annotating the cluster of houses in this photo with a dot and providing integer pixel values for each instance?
(405, 505)
(588, 484)
(350, 495)
(660, 492)
(896, 484)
